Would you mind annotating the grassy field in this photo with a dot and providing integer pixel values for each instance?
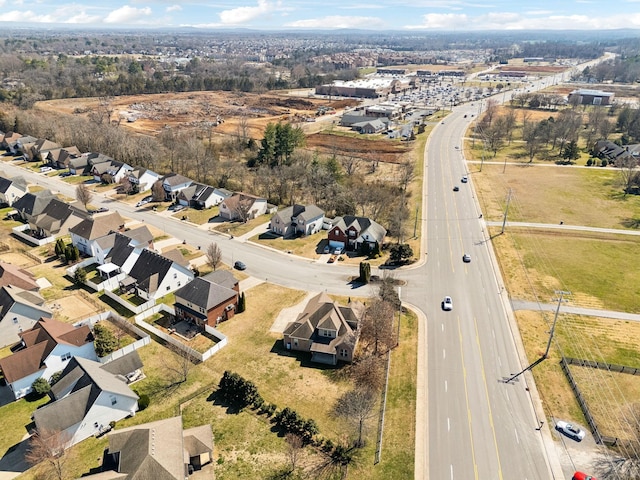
(19, 412)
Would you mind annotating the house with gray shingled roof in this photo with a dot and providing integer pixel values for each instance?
(57, 218)
(297, 220)
(325, 329)
(350, 232)
(209, 299)
(85, 234)
(20, 309)
(12, 189)
(160, 450)
(30, 205)
(85, 399)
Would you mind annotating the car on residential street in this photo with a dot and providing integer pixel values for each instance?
(466, 258)
(239, 265)
(447, 303)
(465, 179)
(570, 430)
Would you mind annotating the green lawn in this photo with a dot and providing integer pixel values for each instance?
(199, 217)
(19, 412)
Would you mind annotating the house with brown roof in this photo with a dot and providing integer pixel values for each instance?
(41, 148)
(85, 234)
(60, 157)
(8, 140)
(20, 309)
(44, 350)
(325, 329)
(18, 277)
(208, 300)
(160, 450)
(86, 398)
(243, 207)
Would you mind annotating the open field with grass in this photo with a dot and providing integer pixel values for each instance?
(595, 268)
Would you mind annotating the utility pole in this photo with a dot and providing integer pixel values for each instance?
(545, 355)
(506, 211)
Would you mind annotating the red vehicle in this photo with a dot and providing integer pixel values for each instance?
(582, 476)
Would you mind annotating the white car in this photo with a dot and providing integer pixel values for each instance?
(570, 430)
(447, 303)
(464, 179)
(338, 251)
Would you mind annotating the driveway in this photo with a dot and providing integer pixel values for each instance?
(13, 463)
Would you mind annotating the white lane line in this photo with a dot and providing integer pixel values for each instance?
(517, 438)
(442, 326)
(444, 354)
(448, 424)
(493, 332)
(499, 361)
(446, 386)
(451, 468)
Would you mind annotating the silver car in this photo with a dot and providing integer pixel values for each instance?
(570, 430)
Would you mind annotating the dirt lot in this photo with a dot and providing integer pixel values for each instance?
(72, 308)
(151, 113)
(386, 151)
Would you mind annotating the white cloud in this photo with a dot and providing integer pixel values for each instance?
(173, 8)
(127, 15)
(337, 21)
(240, 15)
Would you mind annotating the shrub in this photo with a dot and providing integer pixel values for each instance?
(80, 276)
(54, 378)
(104, 342)
(41, 386)
(143, 401)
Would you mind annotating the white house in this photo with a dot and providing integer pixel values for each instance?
(297, 220)
(19, 311)
(158, 275)
(85, 234)
(45, 350)
(87, 397)
(143, 179)
(12, 189)
(173, 184)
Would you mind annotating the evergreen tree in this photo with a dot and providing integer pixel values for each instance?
(241, 303)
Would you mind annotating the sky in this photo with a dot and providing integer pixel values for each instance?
(403, 15)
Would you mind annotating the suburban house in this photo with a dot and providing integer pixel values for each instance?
(325, 329)
(87, 397)
(20, 310)
(243, 207)
(57, 218)
(78, 165)
(208, 300)
(85, 234)
(612, 152)
(30, 205)
(208, 197)
(23, 146)
(41, 148)
(350, 233)
(591, 97)
(297, 220)
(8, 141)
(44, 350)
(159, 450)
(142, 179)
(12, 189)
(17, 277)
(60, 157)
(139, 237)
(110, 172)
(173, 184)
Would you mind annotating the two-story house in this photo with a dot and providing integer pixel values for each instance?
(173, 184)
(243, 207)
(85, 234)
(142, 179)
(110, 172)
(350, 233)
(87, 397)
(12, 189)
(57, 218)
(41, 148)
(30, 205)
(326, 330)
(297, 220)
(20, 309)
(60, 157)
(8, 141)
(17, 277)
(208, 300)
(44, 350)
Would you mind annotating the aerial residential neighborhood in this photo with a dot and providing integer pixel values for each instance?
(374, 242)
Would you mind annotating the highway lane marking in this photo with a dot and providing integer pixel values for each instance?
(517, 438)
(446, 386)
(442, 327)
(451, 469)
(444, 354)
(466, 396)
(486, 393)
(448, 424)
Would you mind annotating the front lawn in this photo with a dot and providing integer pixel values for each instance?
(197, 216)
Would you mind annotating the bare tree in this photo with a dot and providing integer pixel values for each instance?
(509, 123)
(102, 114)
(126, 186)
(214, 255)
(609, 467)
(490, 110)
(294, 449)
(356, 407)
(376, 330)
(49, 448)
(83, 194)
(177, 366)
(157, 192)
(628, 172)
(533, 142)
(367, 372)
